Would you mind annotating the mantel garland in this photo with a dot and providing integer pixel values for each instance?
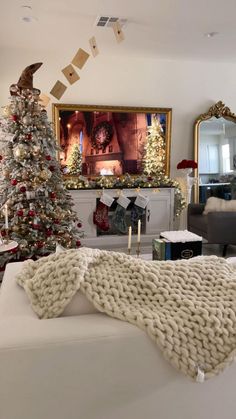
(128, 181)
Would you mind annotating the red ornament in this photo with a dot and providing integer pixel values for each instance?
(52, 168)
(22, 188)
(79, 225)
(14, 182)
(1, 157)
(36, 226)
(14, 117)
(56, 221)
(53, 195)
(78, 243)
(20, 213)
(48, 157)
(149, 178)
(31, 213)
(3, 233)
(14, 250)
(48, 233)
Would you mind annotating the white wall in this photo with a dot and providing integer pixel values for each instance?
(189, 88)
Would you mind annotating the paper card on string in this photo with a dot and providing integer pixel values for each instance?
(44, 100)
(141, 201)
(80, 58)
(58, 90)
(93, 46)
(123, 201)
(119, 34)
(70, 74)
(106, 199)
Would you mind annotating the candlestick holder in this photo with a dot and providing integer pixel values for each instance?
(6, 238)
(138, 249)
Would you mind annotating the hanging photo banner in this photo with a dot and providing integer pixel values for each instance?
(106, 199)
(141, 201)
(119, 34)
(93, 46)
(80, 58)
(70, 74)
(58, 90)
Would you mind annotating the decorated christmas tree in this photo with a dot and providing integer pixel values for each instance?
(154, 151)
(36, 210)
(75, 161)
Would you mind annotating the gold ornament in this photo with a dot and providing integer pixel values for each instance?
(45, 174)
(6, 173)
(20, 151)
(36, 150)
(7, 111)
(27, 120)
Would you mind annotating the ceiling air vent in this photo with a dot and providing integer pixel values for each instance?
(108, 21)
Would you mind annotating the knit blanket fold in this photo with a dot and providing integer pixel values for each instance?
(188, 307)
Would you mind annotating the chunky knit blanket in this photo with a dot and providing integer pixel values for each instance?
(188, 307)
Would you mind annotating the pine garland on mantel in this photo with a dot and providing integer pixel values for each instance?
(127, 181)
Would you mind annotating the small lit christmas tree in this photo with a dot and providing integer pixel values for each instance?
(154, 150)
(75, 161)
(38, 206)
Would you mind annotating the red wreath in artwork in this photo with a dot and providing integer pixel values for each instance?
(102, 135)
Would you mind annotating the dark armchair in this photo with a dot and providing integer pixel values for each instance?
(215, 227)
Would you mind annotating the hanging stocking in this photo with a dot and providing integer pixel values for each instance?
(100, 217)
(136, 214)
(138, 210)
(118, 219)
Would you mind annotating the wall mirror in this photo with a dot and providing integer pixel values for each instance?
(111, 140)
(215, 153)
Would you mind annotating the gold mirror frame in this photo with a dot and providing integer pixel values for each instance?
(219, 110)
(58, 109)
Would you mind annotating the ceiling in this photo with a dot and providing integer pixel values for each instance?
(168, 29)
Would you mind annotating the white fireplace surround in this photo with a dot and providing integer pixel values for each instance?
(159, 216)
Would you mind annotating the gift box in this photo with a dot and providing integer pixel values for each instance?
(172, 248)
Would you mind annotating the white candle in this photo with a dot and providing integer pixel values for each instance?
(139, 230)
(6, 217)
(129, 237)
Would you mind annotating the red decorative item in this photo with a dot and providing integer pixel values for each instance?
(22, 189)
(15, 250)
(14, 117)
(149, 178)
(20, 213)
(48, 157)
(78, 243)
(31, 213)
(1, 157)
(100, 217)
(56, 221)
(53, 195)
(79, 225)
(28, 136)
(14, 182)
(187, 164)
(3, 233)
(52, 168)
(48, 233)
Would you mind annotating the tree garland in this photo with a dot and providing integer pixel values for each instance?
(128, 181)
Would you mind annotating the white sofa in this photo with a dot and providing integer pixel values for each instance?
(94, 367)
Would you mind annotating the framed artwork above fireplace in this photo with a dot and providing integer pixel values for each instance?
(111, 139)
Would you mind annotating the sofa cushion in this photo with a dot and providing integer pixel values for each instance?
(217, 204)
(198, 222)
